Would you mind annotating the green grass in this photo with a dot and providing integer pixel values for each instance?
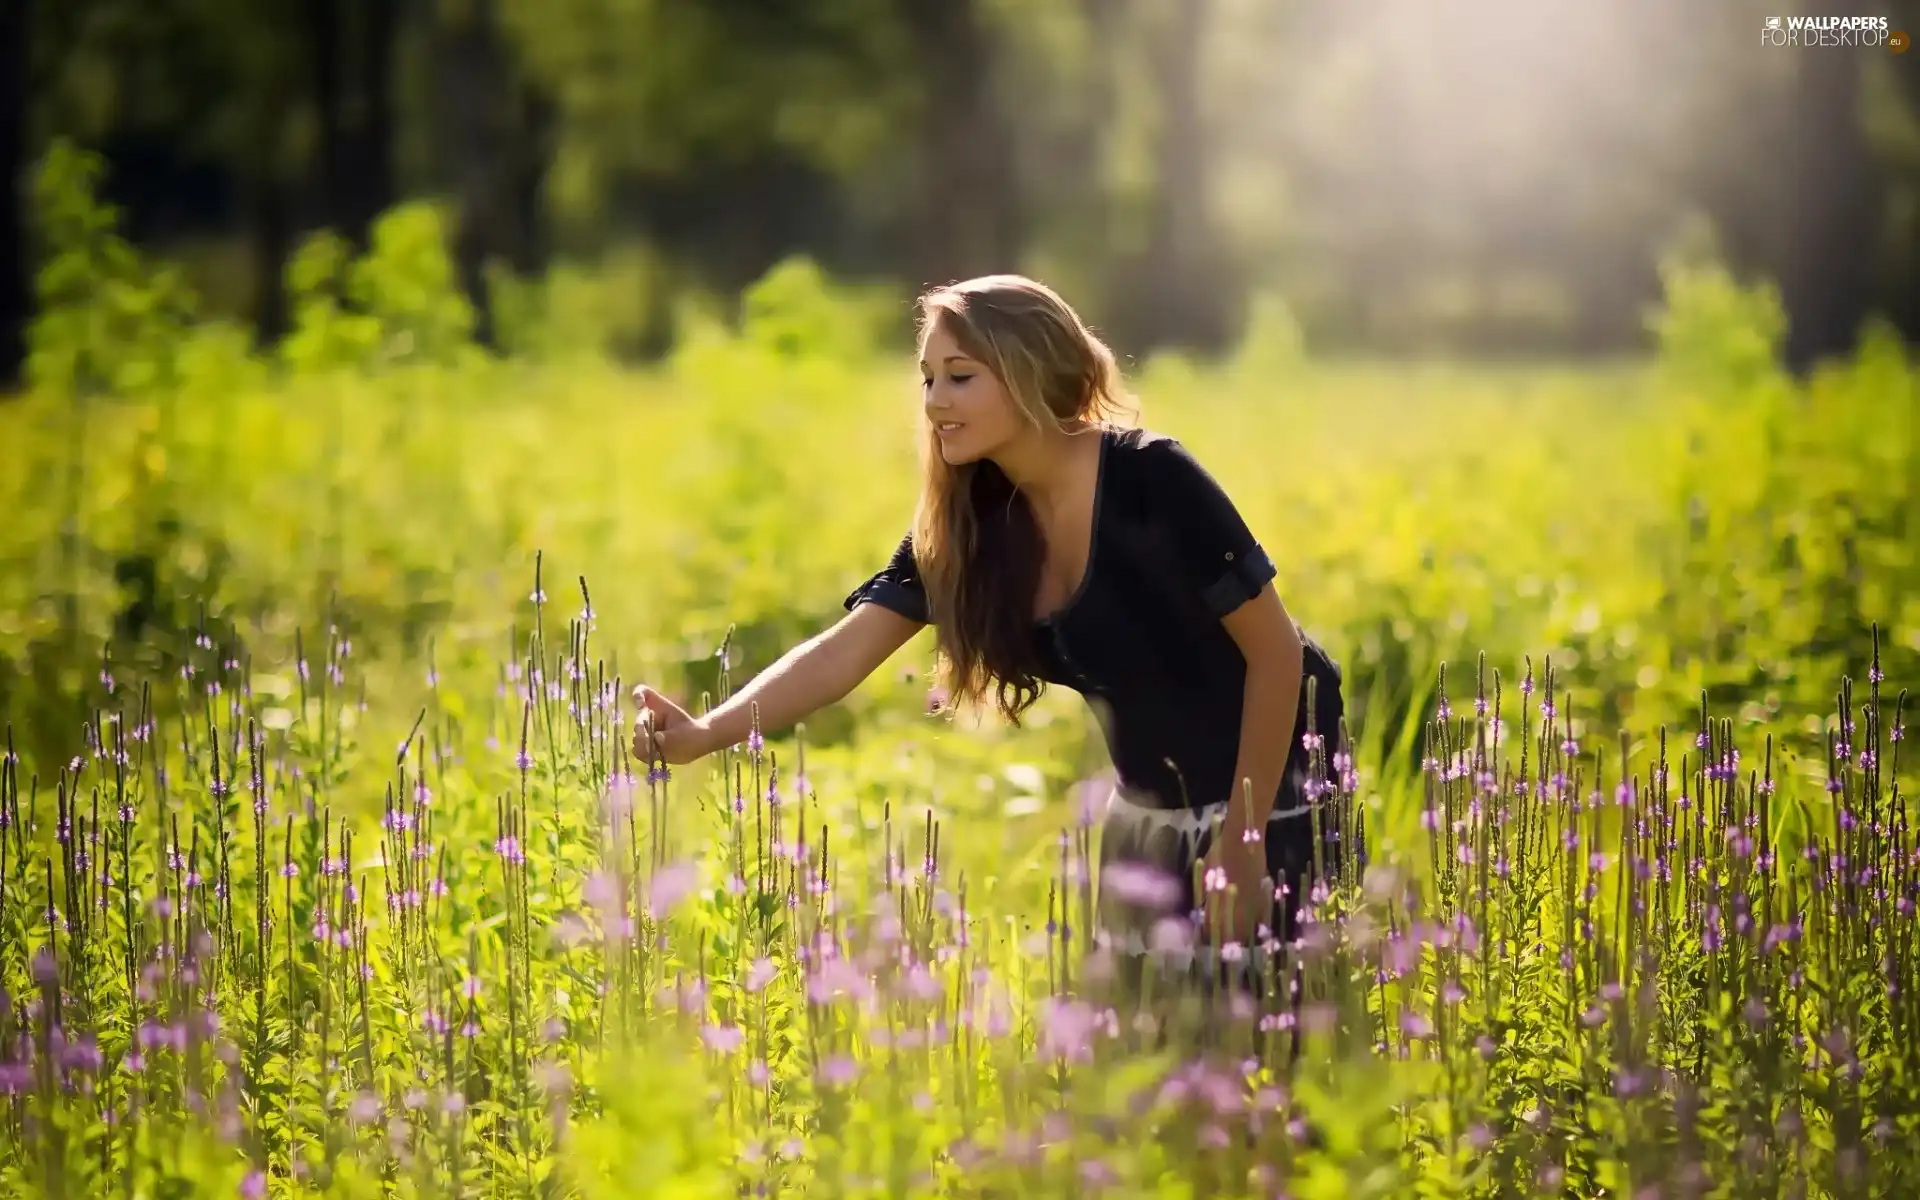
(348, 538)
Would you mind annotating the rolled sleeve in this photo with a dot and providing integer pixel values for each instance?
(1246, 573)
(895, 587)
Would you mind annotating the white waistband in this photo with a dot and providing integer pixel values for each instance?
(1188, 820)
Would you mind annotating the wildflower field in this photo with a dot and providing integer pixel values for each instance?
(324, 869)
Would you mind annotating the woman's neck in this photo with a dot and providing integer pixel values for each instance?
(1040, 463)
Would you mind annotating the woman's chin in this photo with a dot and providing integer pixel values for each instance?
(957, 455)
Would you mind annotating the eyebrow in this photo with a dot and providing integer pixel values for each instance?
(949, 358)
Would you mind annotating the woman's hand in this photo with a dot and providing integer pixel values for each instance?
(1238, 897)
(665, 732)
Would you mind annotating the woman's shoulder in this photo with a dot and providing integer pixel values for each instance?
(1145, 455)
(1141, 463)
(1137, 444)
(1154, 474)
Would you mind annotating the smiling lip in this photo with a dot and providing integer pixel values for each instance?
(946, 427)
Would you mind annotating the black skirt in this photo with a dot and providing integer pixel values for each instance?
(1147, 897)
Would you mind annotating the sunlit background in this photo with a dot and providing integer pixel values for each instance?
(1491, 175)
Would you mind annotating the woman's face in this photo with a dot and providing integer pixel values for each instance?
(969, 410)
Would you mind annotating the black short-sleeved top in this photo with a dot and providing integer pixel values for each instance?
(1141, 638)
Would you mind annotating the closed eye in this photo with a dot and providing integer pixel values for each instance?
(960, 378)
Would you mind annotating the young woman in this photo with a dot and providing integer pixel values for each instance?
(1051, 546)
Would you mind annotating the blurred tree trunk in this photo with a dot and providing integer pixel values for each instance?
(470, 74)
(274, 75)
(535, 134)
(1827, 278)
(15, 286)
(325, 71)
(1905, 309)
(1074, 169)
(351, 48)
(496, 132)
(366, 148)
(1180, 291)
(970, 217)
(270, 222)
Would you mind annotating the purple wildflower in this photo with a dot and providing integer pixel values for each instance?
(838, 1070)
(1142, 885)
(671, 885)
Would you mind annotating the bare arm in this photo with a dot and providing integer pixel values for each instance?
(1275, 661)
(1271, 645)
(812, 675)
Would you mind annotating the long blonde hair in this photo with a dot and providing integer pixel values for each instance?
(976, 540)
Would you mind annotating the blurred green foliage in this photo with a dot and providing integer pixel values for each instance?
(1403, 171)
(1698, 525)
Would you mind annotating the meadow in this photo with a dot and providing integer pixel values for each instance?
(324, 869)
